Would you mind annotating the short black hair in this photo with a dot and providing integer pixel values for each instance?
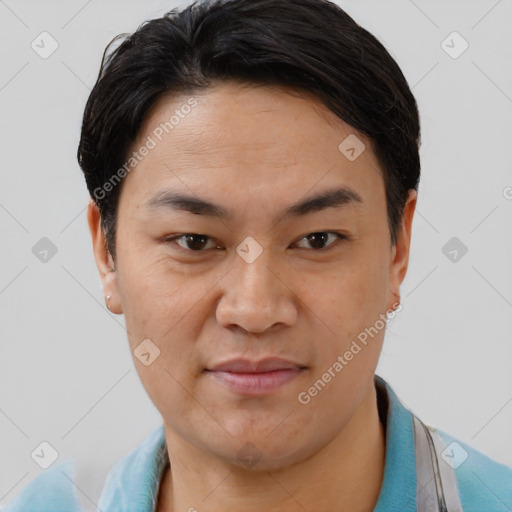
(310, 46)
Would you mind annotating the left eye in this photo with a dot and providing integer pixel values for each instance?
(320, 239)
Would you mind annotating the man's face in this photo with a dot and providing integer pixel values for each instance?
(259, 280)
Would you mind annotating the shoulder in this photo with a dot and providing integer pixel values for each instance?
(146, 456)
(133, 480)
(136, 476)
(50, 491)
(482, 482)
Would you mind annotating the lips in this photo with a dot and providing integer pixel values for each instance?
(269, 364)
(255, 378)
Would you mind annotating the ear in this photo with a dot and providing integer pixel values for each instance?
(400, 252)
(104, 260)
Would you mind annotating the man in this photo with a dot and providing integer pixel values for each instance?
(253, 167)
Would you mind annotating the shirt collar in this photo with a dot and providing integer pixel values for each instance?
(133, 483)
(398, 490)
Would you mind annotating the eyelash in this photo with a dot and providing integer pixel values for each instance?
(340, 237)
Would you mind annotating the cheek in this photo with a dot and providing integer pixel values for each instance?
(152, 295)
(344, 304)
(350, 296)
(166, 309)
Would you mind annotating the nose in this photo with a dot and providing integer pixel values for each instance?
(255, 297)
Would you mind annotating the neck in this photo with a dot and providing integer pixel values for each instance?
(345, 475)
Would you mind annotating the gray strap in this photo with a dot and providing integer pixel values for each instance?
(426, 489)
(436, 485)
(449, 481)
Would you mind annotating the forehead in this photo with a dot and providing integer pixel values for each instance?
(258, 139)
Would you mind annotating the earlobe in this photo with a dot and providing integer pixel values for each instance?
(110, 290)
(104, 261)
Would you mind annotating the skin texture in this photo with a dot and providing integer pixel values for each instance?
(256, 150)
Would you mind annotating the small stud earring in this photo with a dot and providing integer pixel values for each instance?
(107, 298)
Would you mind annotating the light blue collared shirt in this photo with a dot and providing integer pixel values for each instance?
(132, 485)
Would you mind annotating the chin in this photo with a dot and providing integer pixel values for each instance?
(263, 452)
(249, 457)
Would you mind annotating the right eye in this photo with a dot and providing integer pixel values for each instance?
(191, 242)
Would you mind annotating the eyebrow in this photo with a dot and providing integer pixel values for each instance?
(331, 198)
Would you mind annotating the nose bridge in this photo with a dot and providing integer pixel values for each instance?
(253, 278)
(255, 298)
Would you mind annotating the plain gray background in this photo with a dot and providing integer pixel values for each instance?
(66, 374)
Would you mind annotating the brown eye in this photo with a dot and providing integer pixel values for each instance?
(192, 241)
(319, 240)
